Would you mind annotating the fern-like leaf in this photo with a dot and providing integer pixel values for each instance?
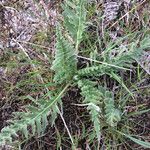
(92, 97)
(35, 117)
(97, 70)
(99, 98)
(113, 115)
(65, 61)
(75, 18)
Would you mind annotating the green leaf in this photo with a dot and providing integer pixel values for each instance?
(44, 122)
(117, 78)
(92, 96)
(32, 117)
(25, 131)
(144, 144)
(65, 63)
(75, 19)
(38, 124)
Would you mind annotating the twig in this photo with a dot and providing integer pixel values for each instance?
(104, 63)
(32, 44)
